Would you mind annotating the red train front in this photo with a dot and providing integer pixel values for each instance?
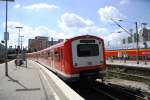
(81, 56)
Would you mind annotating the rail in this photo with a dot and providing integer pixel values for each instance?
(117, 92)
(130, 71)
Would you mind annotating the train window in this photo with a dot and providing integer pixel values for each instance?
(48, 54)
(62, 54)
(56, 56)
(87, 41)
(51, 55)
(140, 57)
(85, 50)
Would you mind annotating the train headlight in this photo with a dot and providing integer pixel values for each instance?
(75, 64)
(101, 62)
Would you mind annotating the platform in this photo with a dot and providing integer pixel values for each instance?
(27, 83)
(22, 84)
(129, 64)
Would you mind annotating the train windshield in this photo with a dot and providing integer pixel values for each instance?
(86, 50)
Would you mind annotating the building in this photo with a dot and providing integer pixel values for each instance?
(39, 43)
(43, 41)
(2, 53)
(50, 43)
(60, 40)
(144, 35)
(131, 41)
(34, 45)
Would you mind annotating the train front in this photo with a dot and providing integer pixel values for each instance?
(87, 57)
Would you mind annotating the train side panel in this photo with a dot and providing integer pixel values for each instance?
(131, 54)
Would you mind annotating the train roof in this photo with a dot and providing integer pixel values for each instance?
(75, 38)
(84, 36)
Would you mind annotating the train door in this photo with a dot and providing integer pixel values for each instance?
(48, 57)
(57, 62)
(62, 59)
(52, 58)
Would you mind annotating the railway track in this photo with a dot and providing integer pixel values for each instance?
(116, 92)
(130, 72)
(129, 76)
(95, 91)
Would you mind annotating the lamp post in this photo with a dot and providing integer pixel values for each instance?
(19, 28)
(21, 47)
(21, 41)
(6, 37)
(18, 57)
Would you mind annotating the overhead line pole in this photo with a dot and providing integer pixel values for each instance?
(19, 36)
(6, 38)
(137, 37)
(21, 41)
(137, 42)
(144, 41)
(6, 33)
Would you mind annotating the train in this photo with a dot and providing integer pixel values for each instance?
(75, 58)
(129, 54)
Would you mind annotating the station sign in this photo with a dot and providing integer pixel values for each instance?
(6, 35)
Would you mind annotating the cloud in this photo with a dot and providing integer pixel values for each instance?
(94, 30)
(30, 32)
(76, 25)
(109, 12)
(70, 20)
(26, 31)
(17, 6)
(115, 39)
(39, 6)
(123, 2)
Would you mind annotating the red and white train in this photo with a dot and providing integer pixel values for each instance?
(130, 54)
(81, 56)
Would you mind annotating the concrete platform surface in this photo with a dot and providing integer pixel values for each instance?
(129, 64)
(25, 83)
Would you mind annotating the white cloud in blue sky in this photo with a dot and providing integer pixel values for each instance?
(123, 2)
(71, 20)
(67, 18)
(30, 32)
(17, 6)
(109, 12)
(39, 6)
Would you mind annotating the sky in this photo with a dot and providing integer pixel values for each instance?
(62, 19)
